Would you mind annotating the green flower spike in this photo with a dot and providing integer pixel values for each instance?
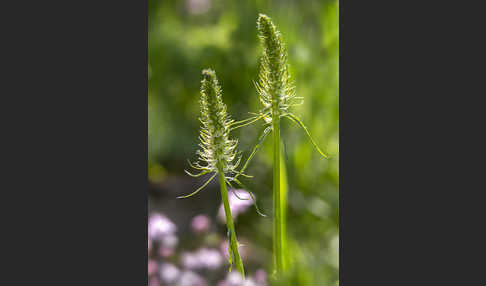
(277, 94)
(275, 88)
(218, 153)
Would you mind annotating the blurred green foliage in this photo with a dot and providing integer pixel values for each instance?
(187, 36)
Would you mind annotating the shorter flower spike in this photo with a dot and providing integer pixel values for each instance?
(218, 152)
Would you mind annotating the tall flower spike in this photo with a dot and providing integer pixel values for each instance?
(277, 93)
(276, 90)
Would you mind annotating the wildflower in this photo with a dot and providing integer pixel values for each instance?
(152, 267)
(211, 257)
(189, 278)
(169, 273)
(169, 241)
(154, 281)
(274, 86)
(190, 260)
(167, 245)
(162, 231)
(166, 251)
(235, 279)
(160, 226)
(200, 223)
(260, 277)
(277, 93)
(276, 90)
(197, 7)
(202, 259)
(218, 152)
(149, 245)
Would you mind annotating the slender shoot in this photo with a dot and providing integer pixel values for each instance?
(218, 153)
(234, 255)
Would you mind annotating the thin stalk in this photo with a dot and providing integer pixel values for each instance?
(277, 206)
(229, 223)
(283, 211)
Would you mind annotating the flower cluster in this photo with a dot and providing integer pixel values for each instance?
(199, 267)
(203, 258)
(161, 230)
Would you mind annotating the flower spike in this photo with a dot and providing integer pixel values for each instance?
(218, 152)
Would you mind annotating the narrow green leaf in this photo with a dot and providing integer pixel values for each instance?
(198, 190)
(295, 119)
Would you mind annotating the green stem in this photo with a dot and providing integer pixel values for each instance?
(229, 223)
(283, 210)
(277, 207)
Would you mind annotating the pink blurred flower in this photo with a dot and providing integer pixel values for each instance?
(189, 278)
(169, 272)
(249, 282)
(152, 267)
(211, 257)
(198, 6)
(260, 277)
(235, 279)
(154, 281)
(162, 230)
(160, 226)
(166, 251)
(149, 245)
(203, 258)
(237, 205)
(169, 241)
(190, 260)
(223, 283)
(200, 223)
(223, 247)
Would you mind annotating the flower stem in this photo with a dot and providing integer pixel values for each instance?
(229, 223)
(277, 206)
(283, 211)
